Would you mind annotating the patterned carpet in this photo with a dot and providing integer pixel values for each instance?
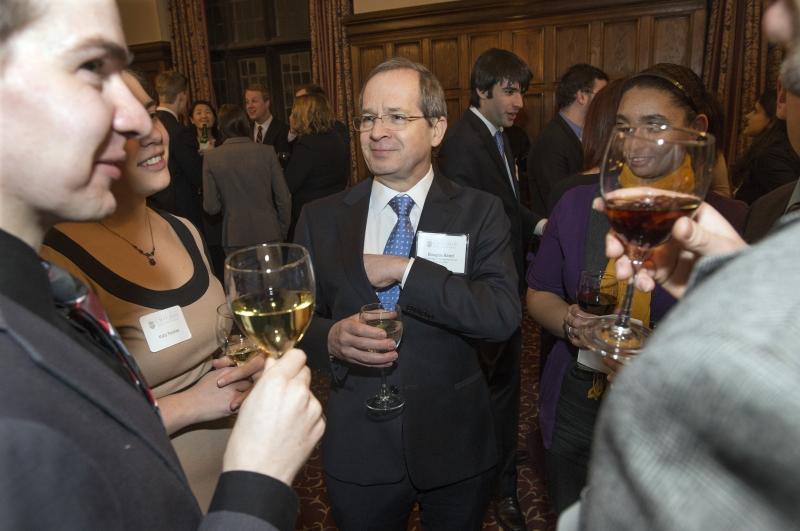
(314, 510)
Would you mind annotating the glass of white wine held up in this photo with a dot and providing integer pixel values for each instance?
(270, 289)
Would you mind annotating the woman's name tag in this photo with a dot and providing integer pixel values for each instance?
(164, 328)
(448, 250)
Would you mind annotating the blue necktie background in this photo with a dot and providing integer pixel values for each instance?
(398, 244)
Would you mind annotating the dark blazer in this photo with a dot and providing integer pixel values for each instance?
(445, 432)
(469, 156)
(183, 195)
(245, 181)
(80, 448)
(320, 166)
(766, 211)
(769, 163)
(556, 154)
(276, 135)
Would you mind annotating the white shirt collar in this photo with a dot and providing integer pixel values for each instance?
(382, 194)
(167, 109)
(492, 129)
(264, 124)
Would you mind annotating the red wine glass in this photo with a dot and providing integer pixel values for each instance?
(650, 177)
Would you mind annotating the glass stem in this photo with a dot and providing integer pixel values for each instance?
(383, 393)
(637, 256)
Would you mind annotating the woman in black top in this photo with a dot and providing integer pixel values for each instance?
(320, 163)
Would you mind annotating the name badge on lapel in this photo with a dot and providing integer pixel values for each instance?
(448, 250)
(164, 328)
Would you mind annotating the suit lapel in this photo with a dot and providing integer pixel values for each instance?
(491, 146)
(68, 362)
(351, 238)
(439, 211)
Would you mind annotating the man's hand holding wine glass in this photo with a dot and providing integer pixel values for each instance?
(671, 264)
(356, 342)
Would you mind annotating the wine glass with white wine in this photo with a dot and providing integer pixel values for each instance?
(232, 343)
(270, 288)
(388, 318)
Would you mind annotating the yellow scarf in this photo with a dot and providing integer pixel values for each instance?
(680, 180)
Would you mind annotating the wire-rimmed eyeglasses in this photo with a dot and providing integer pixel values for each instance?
(391, 121)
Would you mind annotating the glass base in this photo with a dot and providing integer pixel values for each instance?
(385, 403)
(619, 343)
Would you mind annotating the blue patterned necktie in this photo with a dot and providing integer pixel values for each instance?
(398, 244)
(498, 138)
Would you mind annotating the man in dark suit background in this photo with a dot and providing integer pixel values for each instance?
(82, 444)
(267, 129)
(183, 196)
(557, 152)
(476, 153)
(439, 450)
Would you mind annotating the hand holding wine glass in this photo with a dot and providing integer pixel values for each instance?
(388, 318)
(270, 288)
(596, 296)
(651, 176)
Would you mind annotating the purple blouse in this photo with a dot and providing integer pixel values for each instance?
(556, 268)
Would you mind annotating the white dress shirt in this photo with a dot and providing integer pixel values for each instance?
(381, 218)
(264, 127)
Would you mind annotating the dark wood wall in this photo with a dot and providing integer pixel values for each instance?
(619, 36)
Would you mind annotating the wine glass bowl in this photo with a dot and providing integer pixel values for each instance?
(650, 177)
(597, 292)
(387, 317)
(270, 289)
(232, 343)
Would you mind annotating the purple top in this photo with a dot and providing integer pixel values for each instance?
(556, 268)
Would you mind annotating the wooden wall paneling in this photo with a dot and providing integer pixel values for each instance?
(596, 43)
(645, 42)
(620, 56)
(671, 39)
(445, 62)
(572, 46)
(529, 45)
(698, 36)
(620, 36)
(479, 43)
(410, 50)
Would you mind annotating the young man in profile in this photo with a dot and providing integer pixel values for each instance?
(82, 444)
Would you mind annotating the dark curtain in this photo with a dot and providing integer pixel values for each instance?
(739, 64)
(190, 55)
(330, 59)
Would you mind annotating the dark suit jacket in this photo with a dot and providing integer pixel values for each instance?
(469, 155)
(766, 211)
(245, 181)
(556, 154)
(183, 195)
(276, 135)
(81, 449)
(320, 166)
(445, 432)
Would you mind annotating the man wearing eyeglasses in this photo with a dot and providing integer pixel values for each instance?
(444, 252)
(557, 152)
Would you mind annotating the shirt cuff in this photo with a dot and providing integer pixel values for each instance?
(406, 272)
(539, 229)
(257, 495)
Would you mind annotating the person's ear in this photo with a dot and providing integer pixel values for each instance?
(780, 102)
(700, 123)
(483, 94)
(439, 128)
